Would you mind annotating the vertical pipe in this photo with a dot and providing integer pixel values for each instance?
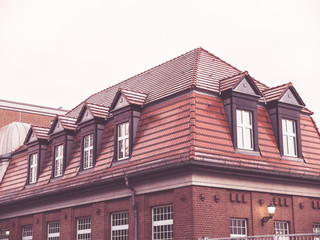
(134, 207)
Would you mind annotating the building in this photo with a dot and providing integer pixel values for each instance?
(15, 121)
(27, 113)
(190, 148)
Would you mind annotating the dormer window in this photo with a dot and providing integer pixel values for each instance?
(58, 161)
(240, 97)
(88, 151)
(126, 109)
(123, 141)
(61, 134)
(289, 135)
(244, 130)
(33, 168)
(284, 107)
(91, 123)
(37, 143)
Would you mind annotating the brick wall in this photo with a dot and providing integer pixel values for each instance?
(198, 212)
(9, 116)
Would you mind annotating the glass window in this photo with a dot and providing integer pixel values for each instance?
(289, 137)
(4, 234)
(316, 229)
(120, 226)
(58, 161)
(281, 228)
(84, 228)
(123, 141)
(244, 130)
(162, 223)
(88, 151)
(238, 227)
(54, 231)
(33, 171)
(27, 232)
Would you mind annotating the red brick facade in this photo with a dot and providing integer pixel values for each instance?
(9, 116)
(196, 214)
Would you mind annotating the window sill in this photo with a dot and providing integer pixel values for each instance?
(85, 171)
(56, 179)
(248, 152)
(120, 162)
(296, 159)
(30, 185)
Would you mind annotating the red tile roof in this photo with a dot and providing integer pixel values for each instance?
(41, 132)
(196, 68)
(191, 127)
(67, 123)
(134, 97)
(275, 93)
(97, 110)
(231, 82)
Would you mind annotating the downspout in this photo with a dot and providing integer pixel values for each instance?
(134, 207)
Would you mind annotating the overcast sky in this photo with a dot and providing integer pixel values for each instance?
(57, 53)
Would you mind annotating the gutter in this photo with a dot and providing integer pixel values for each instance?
(134, 207)
(6, 156)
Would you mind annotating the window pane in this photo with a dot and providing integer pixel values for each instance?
(162, 223)
(238, 227)
(244, 129)
(120, 226)
(58, 161)
(27, 232)
(289, 138)
(84, 229)
(88, 152)
(33, 168)
(123, 141)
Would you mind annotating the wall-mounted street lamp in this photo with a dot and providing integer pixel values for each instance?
(271, 210)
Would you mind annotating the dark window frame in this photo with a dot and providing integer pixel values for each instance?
(234, 101)
(31, 153)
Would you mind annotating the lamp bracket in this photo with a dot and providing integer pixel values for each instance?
(264, 220)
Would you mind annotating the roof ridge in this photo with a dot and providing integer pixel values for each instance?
(221, 59)
(195, 67)
(133, 90)
(120, 83)
(96, 104)
(271, 88)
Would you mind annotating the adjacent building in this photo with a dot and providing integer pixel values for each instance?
(191, 148)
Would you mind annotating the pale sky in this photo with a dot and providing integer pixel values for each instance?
(57, 53)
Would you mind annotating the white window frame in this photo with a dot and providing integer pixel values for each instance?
(58, 160)
(123, 137)
(33, 168)
(26, 230)
(162, 216)
(88, 151)
(4, 234)
(83, 231)
(244, 139)
(316, 229)
(120, 225)
(237, 228)
(281, 229)
(289, 138)
(53, 230)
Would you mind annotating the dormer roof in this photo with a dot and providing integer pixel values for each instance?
(240, 83)
(93, 110)
(61, 123)
(128, 96)
(284, 93)
(37, 133)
